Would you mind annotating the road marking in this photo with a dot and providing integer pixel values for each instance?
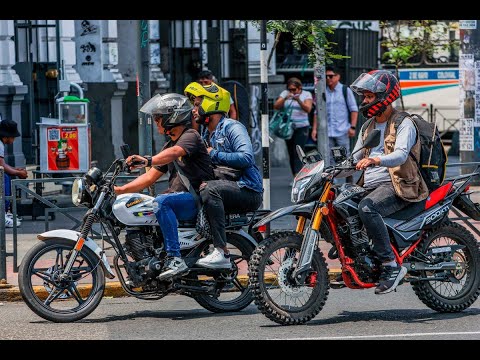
(385, 336)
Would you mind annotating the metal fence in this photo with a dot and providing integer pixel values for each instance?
(50, 208)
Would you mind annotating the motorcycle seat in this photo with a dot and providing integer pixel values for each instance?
(410, 211)
(230, 220)
(414, 209)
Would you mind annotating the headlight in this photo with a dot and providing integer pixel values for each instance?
(298, 189)
(78, 191)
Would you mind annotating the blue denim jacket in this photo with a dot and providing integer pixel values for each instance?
(232, 147)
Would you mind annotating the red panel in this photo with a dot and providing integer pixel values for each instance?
(438, 195)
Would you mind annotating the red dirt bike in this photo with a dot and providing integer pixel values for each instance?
(288, 274)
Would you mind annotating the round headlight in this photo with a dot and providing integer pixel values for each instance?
(78, 189)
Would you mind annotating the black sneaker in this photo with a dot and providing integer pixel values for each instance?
(173, 266)
(338, 282)
(389, 278)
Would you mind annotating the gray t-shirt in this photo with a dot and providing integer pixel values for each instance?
(405, 139)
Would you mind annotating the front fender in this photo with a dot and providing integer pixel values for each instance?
(74, 235)
(296, 209)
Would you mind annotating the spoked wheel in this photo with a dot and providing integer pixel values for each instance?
(457, 289)
(233, 293)
(276, 293)
(53, 297)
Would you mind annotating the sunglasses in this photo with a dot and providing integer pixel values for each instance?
(292, 89)
(330, 76)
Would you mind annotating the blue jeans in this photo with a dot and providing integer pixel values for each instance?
(8, 190)
(168, 209)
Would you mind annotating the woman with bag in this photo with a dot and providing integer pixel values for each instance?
(299, 103)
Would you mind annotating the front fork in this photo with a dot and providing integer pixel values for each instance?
(87, 226)
(310, 238)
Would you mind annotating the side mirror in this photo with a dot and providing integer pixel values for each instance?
(300, 152)
(125, 150)
(339, 153)
(372, 140)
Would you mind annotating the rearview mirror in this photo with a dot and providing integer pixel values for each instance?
(372, 140)
(125, 150)
(300, 152)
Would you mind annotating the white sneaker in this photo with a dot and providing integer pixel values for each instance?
(173, 266)
(10, 215)
(215, 260)
(9, 222)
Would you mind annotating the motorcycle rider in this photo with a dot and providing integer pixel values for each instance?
(172, 114)
(228, 144)
(391, 176)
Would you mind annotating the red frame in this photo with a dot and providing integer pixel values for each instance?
(349, 275)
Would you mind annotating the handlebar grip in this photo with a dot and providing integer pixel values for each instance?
(136, 162)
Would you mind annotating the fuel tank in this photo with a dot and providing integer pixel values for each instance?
(135, 209)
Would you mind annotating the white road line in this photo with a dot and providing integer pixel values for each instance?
(384, 336)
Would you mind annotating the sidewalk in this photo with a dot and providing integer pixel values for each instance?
(280, 178)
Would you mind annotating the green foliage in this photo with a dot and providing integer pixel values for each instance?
(405, 39)
(311, 34)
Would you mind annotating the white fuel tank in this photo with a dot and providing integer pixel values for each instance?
(135, 209)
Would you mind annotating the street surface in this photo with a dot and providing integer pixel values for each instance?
(348, 314)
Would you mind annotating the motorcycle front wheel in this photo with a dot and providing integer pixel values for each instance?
(56, 299)
(235, 295)
(275, 292)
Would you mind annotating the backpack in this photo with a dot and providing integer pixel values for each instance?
(433, 157)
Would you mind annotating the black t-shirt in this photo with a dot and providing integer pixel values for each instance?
(196, 164)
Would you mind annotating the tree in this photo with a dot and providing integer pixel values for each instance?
(312, 35)
(415, 42)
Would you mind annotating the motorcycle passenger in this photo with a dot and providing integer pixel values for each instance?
(229, 145)
(172, 114)
(391, 176)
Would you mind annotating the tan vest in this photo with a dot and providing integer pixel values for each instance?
(406, 178)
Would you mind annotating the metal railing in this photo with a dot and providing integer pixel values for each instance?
(50, 207)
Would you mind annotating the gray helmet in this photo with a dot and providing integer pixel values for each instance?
(175, 109)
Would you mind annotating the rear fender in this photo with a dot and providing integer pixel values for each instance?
(92, 245)
(243, 234)
(297, 209)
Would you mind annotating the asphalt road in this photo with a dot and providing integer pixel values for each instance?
(348, 314)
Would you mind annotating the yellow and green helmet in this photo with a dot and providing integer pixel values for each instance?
(216, 100)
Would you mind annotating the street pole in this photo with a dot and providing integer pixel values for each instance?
(321, 99)
(3, 249)
(469, 67)
(264, 110)
(145, 135)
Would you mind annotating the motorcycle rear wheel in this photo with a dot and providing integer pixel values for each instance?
(237, 295)
(60, 301)
(270, 269)
(448, 296)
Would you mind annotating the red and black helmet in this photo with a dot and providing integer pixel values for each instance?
(383, 84)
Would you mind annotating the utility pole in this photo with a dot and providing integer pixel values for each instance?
(469, 66)
(321, 100)
(3, 246)
(264, 110)
(145, 136)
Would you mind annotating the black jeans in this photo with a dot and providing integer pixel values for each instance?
(222, 196)
(300, 137)
(380, 202)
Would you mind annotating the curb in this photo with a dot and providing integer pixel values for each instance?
(113, 289)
